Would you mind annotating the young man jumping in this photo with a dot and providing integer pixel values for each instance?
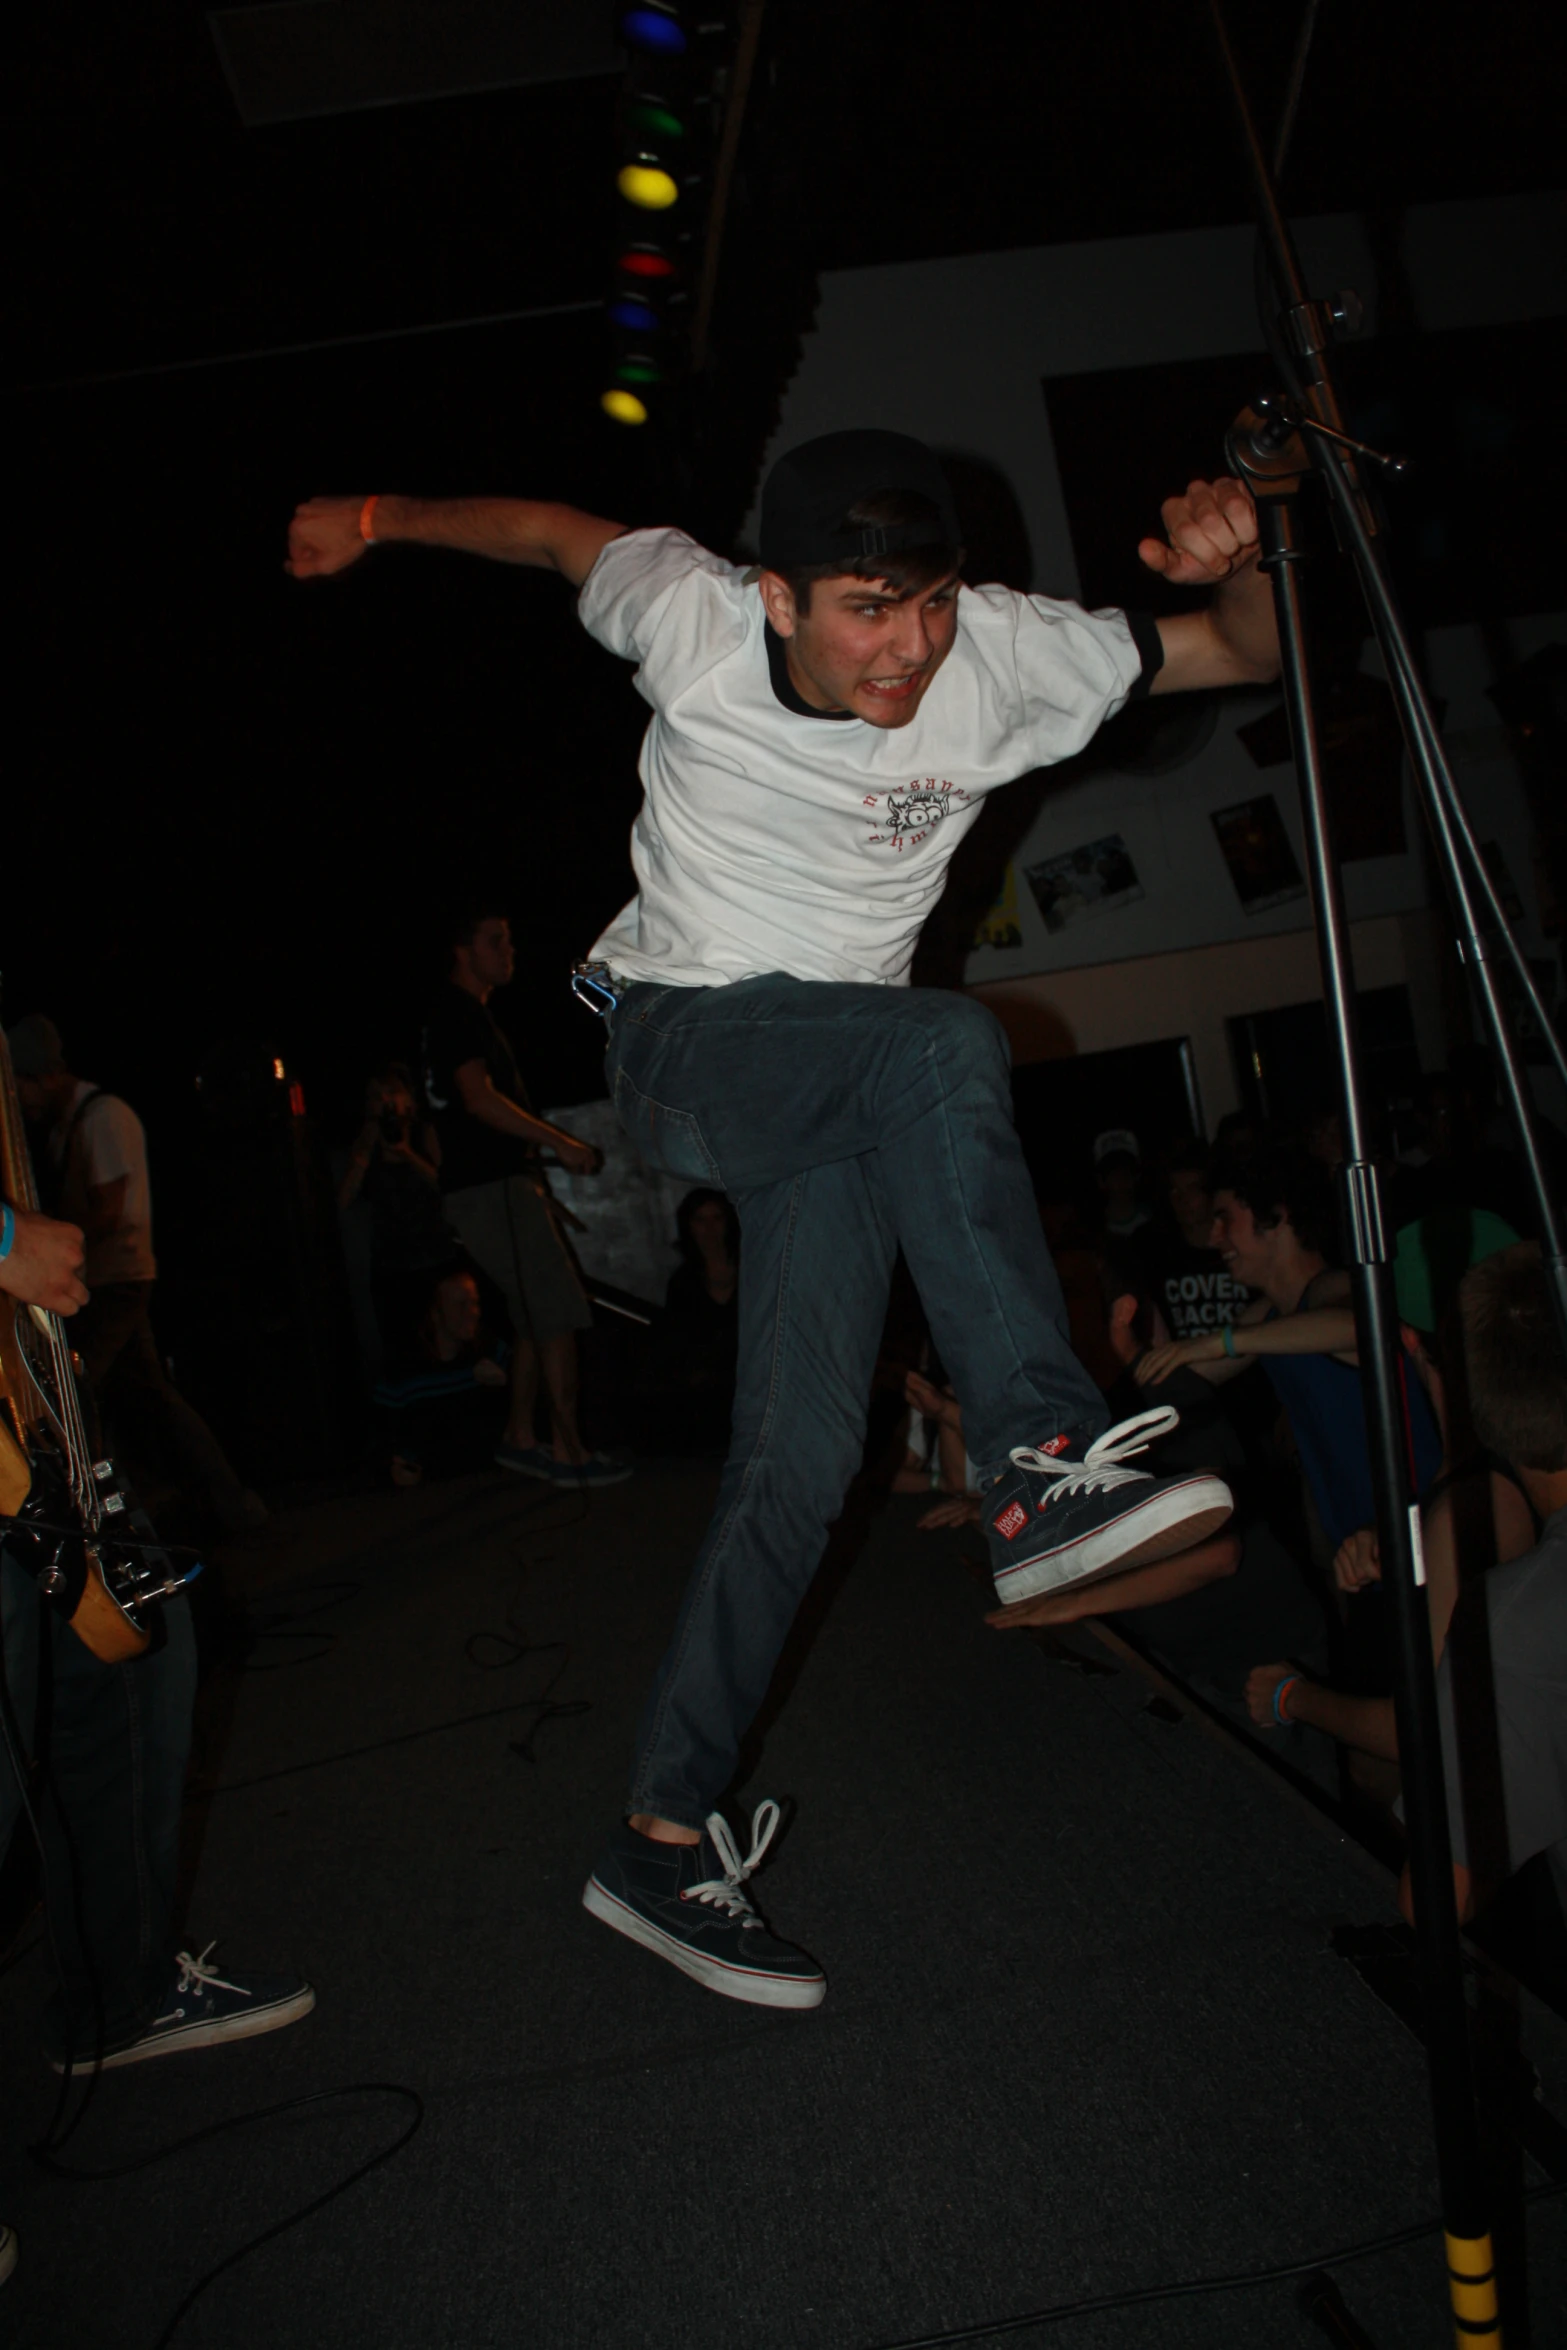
(824, 731)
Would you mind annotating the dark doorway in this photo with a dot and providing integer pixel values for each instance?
(1284, 1065)
(1062, 1105)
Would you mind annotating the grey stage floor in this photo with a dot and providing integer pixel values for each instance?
(1083, 2029)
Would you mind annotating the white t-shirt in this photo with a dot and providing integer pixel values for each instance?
(98, 1146)
(772, 841)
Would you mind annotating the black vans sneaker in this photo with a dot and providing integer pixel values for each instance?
(688, 1903)
(1052, 1520)
(202, 2008)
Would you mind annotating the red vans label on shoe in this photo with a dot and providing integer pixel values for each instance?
(1011, 1521)
(1056, 1447)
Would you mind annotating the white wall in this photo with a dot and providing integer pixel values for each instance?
(955, 352)
(1193, 993)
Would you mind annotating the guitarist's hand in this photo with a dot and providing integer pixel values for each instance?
(44, 1266)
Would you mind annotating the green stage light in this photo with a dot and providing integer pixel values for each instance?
(646, 186)
(653, 121)
(637, 368)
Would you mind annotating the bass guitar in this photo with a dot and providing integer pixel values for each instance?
(67, 1514)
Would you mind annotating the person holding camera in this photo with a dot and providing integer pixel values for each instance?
(395, 1169)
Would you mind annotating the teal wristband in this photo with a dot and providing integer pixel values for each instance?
(1228, 1342)
(7, 1229)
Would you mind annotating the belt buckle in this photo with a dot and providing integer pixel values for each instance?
(595, 985)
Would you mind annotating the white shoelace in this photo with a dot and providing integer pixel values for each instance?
(196, 1975)
(1097, 1470)
(726, 1892)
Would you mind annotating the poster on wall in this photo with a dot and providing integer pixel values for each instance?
(1258, 853)
(999, 926)
(1098, 878)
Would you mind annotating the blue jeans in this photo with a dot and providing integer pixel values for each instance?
(119, 1736)
(842, 1121)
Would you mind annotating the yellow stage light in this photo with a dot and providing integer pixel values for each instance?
(644, 185)
(624, 407)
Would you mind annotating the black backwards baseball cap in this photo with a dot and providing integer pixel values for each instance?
(809, 492)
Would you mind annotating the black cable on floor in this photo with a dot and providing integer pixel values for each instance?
(1189, 2287)
(259, 2113)
(514, 1643)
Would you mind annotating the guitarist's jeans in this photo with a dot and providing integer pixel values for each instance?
(118, 1740)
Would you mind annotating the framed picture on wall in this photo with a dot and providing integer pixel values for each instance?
(1098, 878)
(1258, 853)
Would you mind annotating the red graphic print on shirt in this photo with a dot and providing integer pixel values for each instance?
(910, 812)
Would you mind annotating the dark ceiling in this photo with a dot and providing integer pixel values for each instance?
(156, 227)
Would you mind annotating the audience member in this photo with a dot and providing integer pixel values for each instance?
(694, 1345)
(95, 1168)
(1475, 1511)
(1118, 1175)
(442, 1399)
(1194, 1289)
(499, 1204)
(1518, 1392)
(395, 1169)
(1273, 1228)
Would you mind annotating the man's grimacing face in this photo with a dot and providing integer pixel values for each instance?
(862, 648)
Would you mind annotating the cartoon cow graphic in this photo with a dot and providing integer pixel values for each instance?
(910, 812)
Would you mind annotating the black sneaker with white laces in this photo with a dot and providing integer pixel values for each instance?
(1057, 1517)
(688, 1903)
(201, 2008)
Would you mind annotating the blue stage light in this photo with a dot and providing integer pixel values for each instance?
(651, 30)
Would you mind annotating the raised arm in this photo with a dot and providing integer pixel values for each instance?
(1211, 541)
(327, 534)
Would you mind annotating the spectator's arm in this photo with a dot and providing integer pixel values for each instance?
(1150, 1586)
(1365, 1723)
(1330, 1331)
(480, 1098)
(105, 1208)
(1463, 1894)
(358, 1166)
(43, 1266)
(325, 534)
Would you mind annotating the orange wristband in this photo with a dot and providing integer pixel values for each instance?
(367, 517)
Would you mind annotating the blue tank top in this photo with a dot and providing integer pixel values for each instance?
(1322, 1400)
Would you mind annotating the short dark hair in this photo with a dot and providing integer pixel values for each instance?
(909, 572)
(466, 918)
(1190, 1156)
(1279, 1180)
(1517, 1377)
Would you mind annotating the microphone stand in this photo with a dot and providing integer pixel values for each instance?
(1272, 447)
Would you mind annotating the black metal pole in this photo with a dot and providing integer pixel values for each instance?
(1439, 1956)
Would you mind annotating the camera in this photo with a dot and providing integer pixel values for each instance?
(391, 1126)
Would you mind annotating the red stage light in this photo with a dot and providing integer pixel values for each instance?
(639, 261)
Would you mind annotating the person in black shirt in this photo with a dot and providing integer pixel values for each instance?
(1190, 1286)
(498, 1203)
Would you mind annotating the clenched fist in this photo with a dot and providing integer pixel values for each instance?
(1212, 534)
(324, 537)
